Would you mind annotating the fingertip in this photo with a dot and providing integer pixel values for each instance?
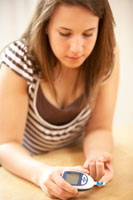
(100, 186)
(101, 183)
(84, 169)
(107, 156)
(76, 191)
(86, 165)
(101, 158)
(105, 179)
(99, 163)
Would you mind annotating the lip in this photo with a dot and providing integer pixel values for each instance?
(74, 58)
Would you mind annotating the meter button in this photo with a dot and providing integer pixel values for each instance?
(84, 180)
(84, 177)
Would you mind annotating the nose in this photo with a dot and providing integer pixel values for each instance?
(76, 46)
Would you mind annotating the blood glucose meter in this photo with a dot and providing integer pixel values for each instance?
(80, 180)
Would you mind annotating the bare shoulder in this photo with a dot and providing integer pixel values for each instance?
(10, 78)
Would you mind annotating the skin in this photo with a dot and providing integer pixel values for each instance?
(98, 143)
(72, 43)
(69, 39)
(71, 51)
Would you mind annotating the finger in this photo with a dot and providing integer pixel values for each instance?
(77, 168)
(86, 164)
(81, 169)
(106, 157)
(47, 188)
(99, 170)
(108, 174)
(64, 185)
(92, 169)
(54, 190)
(106, 178)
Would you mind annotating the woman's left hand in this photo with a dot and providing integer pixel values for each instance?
(100, 167)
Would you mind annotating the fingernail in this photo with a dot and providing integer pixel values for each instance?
(101, 158)
(76, 192)
(92, 160)
(92, 163)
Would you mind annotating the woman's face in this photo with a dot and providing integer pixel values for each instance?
(72, 33)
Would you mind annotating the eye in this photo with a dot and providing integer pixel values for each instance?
(64, 34)
(87, 35)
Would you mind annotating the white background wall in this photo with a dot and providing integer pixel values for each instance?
(15, 15)
(123, 13)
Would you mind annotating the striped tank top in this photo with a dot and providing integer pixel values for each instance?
(40, 135)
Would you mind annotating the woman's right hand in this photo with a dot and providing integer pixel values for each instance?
(52, 183)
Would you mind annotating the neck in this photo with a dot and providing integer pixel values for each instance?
(64, 72)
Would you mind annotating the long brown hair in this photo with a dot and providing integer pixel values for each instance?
(97, 65)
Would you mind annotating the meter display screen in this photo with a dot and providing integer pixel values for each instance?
(72, 178)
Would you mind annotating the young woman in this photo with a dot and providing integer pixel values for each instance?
(58, 86)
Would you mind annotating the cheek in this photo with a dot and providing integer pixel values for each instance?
(90, 45)
(58, 46)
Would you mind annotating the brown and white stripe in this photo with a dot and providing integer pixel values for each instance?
(41, 136)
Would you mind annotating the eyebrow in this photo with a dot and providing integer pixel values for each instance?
(90, 29)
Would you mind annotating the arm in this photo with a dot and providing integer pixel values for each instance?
(98, 142)
(13, 156)
(13, 101)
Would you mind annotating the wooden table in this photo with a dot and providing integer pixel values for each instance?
(121, 188)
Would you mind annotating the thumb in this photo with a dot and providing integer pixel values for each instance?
(108, 174)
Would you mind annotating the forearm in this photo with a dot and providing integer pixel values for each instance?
(97, 142)
(17, 160)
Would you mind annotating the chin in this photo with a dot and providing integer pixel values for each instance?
(72, 65)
